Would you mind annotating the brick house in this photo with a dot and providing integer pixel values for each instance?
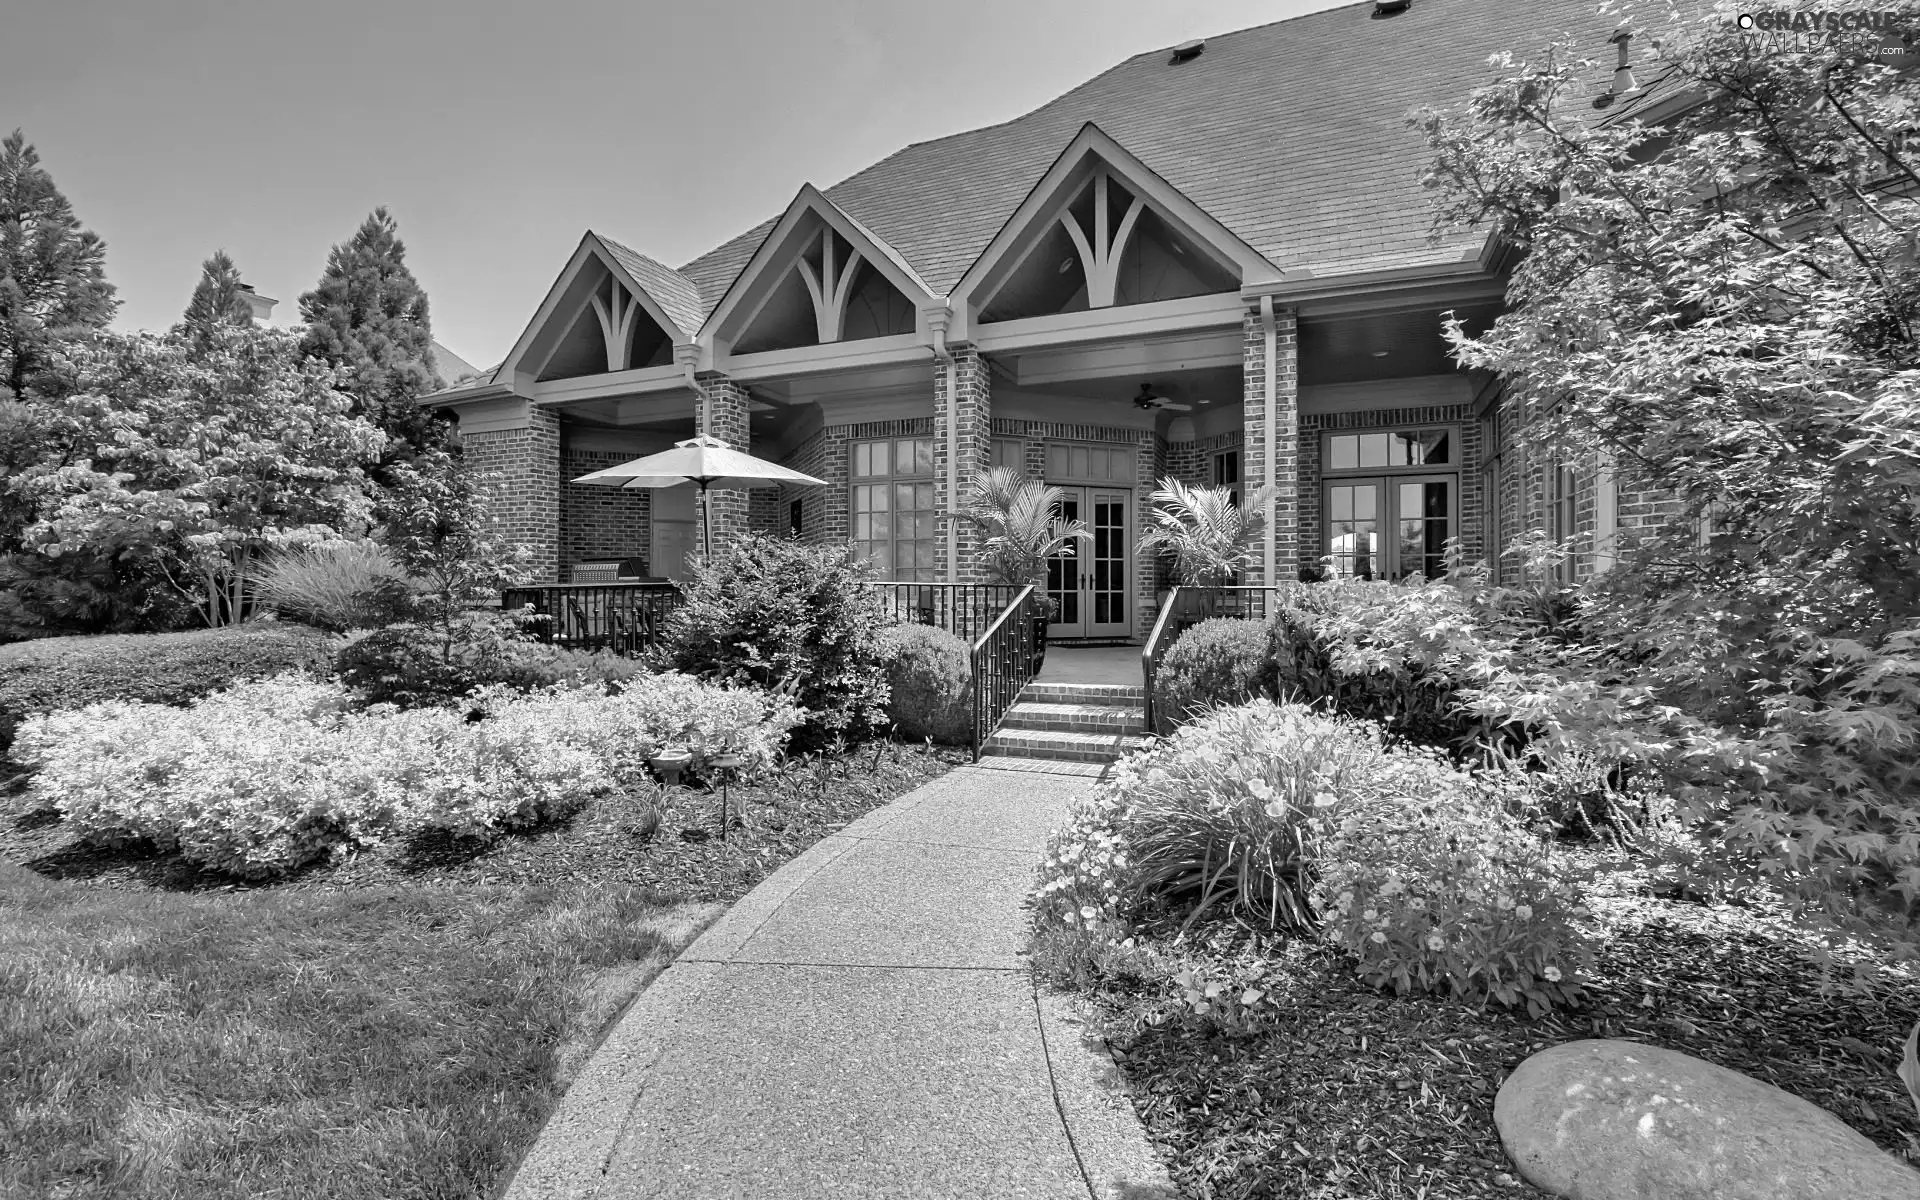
(1213, 262)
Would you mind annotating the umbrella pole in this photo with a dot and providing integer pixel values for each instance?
(706, 522)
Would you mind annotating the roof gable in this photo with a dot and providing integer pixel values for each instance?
(641, 285)
(1293, 136)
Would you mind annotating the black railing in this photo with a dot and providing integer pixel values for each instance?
(622, 617)
(1185, 607)
(962, 609)
(1003, 663)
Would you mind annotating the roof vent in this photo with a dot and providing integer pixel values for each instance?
(1624, 84)
(1187, 51)
(1390, 8)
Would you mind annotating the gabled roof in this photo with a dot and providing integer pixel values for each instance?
(1293, 135)
(670, 289)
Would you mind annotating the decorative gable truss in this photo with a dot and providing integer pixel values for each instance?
(600, 318)
(818, 278)
(1101, 230)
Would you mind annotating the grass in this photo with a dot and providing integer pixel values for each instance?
(398, 1024)
(1339, 1091)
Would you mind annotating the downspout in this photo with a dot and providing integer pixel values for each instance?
(943, 355)
(1271, 348)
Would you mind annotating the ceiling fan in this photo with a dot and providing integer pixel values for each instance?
(1148, 399)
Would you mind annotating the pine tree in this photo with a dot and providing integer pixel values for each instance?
(53, 283)
(368, 314)
(218, 299)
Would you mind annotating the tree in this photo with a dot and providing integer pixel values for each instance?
(53, 282)
(1728, 307)
(207, 454)
(218, 299)
(1019, 516)
(368, 316)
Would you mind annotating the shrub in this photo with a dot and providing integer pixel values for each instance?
(160, 668)
(929, 682)
(1446, 888)
(1214, 818)
(1428, 875)
(413, 664)
(352, 585)
(274, 774)
(1395, 653)
(791, 618)
(1222, 660)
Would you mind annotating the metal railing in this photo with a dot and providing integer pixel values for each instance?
(1185, 607)
(1002, 664)
(623, 617)
(962, 609)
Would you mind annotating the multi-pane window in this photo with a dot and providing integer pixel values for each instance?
(1226, 472)
(892, 506)
(1388, 511)
(1010, 453)
(1563, 492)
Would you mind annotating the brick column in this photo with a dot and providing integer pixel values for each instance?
(722, 414)
(1279, 445)
(520, 478)
(969, 413)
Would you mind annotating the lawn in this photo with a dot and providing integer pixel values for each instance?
(1340, 1091)
(395, 1024)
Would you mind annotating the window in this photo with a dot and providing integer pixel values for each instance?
(795, 512)
(1010, 453)
(1563, 515)
(1389, 514)
(891, 505)
(1226, 473)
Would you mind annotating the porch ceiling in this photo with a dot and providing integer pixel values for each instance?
(1394, 345)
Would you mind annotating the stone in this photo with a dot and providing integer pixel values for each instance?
(1606, 1119)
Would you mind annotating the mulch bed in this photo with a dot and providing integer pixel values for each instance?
(1347, 1092)
(773, 820)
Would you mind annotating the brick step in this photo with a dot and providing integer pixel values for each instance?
(1085, 693)
(1061, 744)
(1077, 718)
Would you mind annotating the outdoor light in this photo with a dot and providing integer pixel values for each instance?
(1066, 264)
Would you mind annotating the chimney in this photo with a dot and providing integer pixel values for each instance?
(262, 306)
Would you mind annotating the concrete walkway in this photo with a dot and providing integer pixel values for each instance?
(862, 1024)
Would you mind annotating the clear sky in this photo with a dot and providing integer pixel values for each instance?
(498, 132)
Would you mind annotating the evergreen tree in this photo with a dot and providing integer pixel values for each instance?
(53, 283)
(218, 299)
(368, 315)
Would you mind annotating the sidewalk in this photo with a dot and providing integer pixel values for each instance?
(861, 1025)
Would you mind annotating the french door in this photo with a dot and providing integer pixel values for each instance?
(1390, 528)
(1089, 578)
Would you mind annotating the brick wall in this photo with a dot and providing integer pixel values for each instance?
(968, 414)
(1281, 442)
(601, 522)
(521, 480)
(724, 416)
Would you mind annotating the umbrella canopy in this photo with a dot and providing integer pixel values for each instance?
(707, 461)
(703, 461)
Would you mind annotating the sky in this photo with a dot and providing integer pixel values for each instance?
(497, 133)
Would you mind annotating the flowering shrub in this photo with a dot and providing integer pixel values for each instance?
(271, 775)
(1446, 888)
(1427, 874)
(1216, 817)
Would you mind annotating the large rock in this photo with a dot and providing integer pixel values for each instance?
(1618, 1120)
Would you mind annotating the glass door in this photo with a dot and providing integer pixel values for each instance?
(1089, 578)
(1390, 528)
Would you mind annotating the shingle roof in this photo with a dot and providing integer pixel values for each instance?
(1293, 135)
(670, 289)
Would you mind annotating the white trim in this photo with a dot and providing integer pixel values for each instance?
(894, 405)
(1059, 187)
(501, 414)
(645, 380)
(835, 356)
(1272, 350)
(1154, 355)
(1606, 513)
(1101, 324)
(777, 254)
(1367, 395)
(514, 371)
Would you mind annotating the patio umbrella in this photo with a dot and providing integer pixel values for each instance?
(703, 461)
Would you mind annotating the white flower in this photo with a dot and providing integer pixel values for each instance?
(1524, 912)
(1552, 974)
(1377, 936)
(1369, 915)
(1416, 904)
(1436, 942)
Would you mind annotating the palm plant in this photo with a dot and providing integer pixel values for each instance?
(1209, 537)
(1017, 514)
